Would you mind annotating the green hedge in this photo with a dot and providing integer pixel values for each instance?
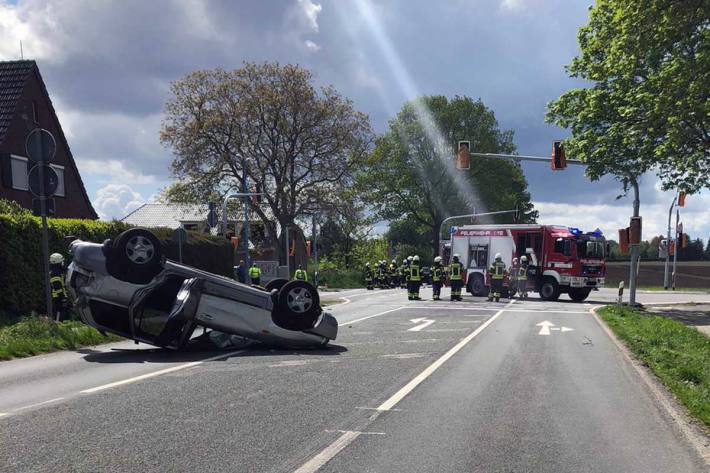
(21, 265)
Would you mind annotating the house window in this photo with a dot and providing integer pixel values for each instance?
(60, 175)
(190, 226)
(19, 173)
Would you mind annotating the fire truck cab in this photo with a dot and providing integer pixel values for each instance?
(561, 259)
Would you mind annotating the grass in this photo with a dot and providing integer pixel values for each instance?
(33, 335)
(342, 279)
(677, 354)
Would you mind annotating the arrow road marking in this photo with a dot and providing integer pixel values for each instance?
(546, 326)
(423, 323)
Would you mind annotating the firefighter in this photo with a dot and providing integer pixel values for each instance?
(512, 278)
(522, 277)
(255, 274)
(300, 274)
(415, 279)
(404, 281)
(368, 276)
(437, 278)
(497, 272)
(59, 291)
(393, 273)
(456, 278)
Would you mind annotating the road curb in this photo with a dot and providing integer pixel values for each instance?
(694, 433)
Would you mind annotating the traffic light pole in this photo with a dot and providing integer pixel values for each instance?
(237, 195)
(635, 248)
(677, 245)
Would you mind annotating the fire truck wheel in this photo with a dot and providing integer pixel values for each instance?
(550, 290)
(579, 294)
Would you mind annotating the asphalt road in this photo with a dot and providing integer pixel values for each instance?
(408, 386)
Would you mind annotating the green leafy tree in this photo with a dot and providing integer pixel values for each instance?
(648, 106)
(411, 174)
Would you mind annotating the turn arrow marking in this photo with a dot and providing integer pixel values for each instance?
(546, 326)
(423, 323)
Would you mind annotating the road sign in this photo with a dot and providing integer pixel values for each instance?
(212, 218)
(40, 145)
(51, 180)
(48, 207)
(546, 326)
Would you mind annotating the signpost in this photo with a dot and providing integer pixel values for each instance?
(180, 237)
(43, 182)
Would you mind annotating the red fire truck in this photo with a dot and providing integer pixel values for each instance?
(561, 259)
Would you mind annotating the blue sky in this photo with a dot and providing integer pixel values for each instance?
(108, 66)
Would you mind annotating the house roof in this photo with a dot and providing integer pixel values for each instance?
(166, 215)
(13, 76)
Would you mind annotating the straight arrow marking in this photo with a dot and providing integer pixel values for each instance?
(545, 327)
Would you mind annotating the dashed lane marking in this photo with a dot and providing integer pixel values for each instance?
(39, 404)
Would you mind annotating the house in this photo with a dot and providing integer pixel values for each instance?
(25, 105)
(158, 214)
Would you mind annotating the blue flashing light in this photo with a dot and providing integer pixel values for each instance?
(597, 233)
(575, 231)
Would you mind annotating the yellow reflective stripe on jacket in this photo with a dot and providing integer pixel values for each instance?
(301, 275)
(498, 270)
(415, 275)
(522, 273)
(436, 273)
(57, 283)
(254, 272)
(456, 271)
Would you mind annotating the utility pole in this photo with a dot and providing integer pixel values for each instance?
(245, 191)
(315, 252)
(666, 281)
(635, 247)
(288, 258)
(677, 246)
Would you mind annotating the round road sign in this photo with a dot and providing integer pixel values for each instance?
(51, 180)
(40, 145)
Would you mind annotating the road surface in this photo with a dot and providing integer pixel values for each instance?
(407, 386)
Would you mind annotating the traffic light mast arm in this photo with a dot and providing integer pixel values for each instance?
(519, 157)
(474, 215)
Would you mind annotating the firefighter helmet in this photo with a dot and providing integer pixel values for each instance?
(56, 258)
(456, 256)
(498, 257)
(416, 258)
(515, 260)
(410, 258)
(437, 259)
(367, 264)
(394, 261)
(523, 259)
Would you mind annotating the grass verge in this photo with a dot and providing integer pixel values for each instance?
(34, 335)
(677, 289)
(677, 354)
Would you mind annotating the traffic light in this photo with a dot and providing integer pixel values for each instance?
(684, 240)
(635, 231)
(681, 199)
(559, 161)
(463, 161)
(624, 240)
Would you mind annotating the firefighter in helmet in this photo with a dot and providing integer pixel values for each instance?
(456, 277)
(59, 292)
(367, 272)
(512, 278)
(300, 274)
(497, 273)
(393, 273)
(437, 278)
(415, 279)
(522, 277)
(407, 270)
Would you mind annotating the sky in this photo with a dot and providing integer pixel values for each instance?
(108, 68)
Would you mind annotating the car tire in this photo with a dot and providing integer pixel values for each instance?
(277, 284)
(579, 294)
(549, 290)
(298, 306)
(478, 286)
(137, 256)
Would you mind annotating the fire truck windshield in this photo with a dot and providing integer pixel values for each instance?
(590, 249)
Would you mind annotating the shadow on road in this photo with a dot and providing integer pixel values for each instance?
(198, 352)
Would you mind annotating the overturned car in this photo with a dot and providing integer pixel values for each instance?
(128, 288)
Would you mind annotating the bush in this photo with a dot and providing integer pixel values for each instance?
(22, 280)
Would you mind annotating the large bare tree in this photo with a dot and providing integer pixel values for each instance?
(267, 122)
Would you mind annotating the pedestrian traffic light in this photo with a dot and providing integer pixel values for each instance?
(624, 240)
(463, 161)
(681, 199)
(559, 161)
(635, 231)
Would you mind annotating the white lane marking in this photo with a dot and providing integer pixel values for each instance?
(315, 463)
(39, 404)
(423, 323)
(370, 316)
(493, 309)
(2, 414)
(361, 433)
(328, 453)
(409, 387)
(159, 372)
(374, 409)
(545, 330)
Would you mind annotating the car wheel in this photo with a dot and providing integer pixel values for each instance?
(579, 294)
(298, 306)
(478, 286)
(275, 284)
(138, 256)
(550, 290)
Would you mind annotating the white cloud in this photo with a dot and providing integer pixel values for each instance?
(114, 169)
(24, 23)
(116, 201)
(311, 45)
(511, 5)
(309, 12)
